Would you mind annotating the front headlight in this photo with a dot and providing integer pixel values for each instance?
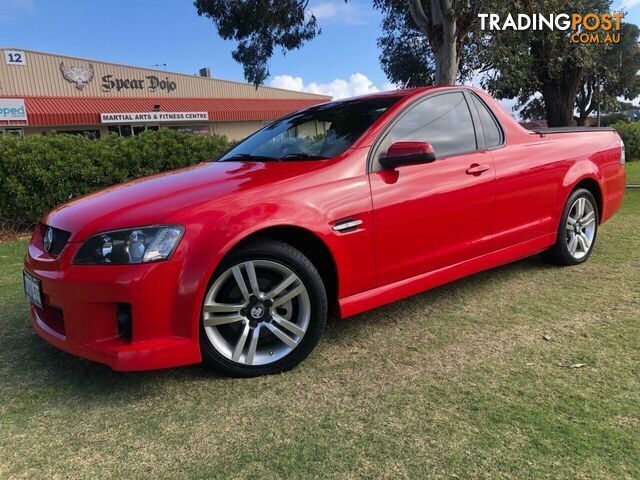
(132, 245)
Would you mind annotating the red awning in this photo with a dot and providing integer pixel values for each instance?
(54, 111)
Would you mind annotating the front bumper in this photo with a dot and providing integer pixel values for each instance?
(81, 306)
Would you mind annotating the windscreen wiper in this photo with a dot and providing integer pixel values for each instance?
(301, 156)
(254, 158)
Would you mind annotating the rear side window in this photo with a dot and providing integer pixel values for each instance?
(492, 132)
(444, 121)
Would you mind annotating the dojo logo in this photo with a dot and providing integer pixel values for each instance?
(150, 83)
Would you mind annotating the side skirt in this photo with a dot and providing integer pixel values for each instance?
(378, 296)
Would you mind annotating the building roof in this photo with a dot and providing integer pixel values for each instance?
(58, 111)
(43, 74)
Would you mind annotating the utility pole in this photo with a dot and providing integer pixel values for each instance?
(598, 97)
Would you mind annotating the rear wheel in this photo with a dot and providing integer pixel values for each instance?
(578, 230)
(264, 310)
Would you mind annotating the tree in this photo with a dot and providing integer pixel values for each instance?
(545, 62)
(446, 24)
(614, 74)
(440, 29)
(414, 54)
(405, 53)
(259, 26)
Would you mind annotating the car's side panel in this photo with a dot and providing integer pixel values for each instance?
(613, 189)
(433, 215)
(601, 165)
(404, 288)
(306, 205)
(528, 179)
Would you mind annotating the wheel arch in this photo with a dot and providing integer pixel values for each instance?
(586, 174)
(311, 245)
(592, 185)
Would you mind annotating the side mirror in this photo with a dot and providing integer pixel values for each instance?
(408, 153)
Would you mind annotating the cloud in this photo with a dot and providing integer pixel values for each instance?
(629, 4)
(357, 84)
(337, 11)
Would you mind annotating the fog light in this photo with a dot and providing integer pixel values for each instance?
(123, 317)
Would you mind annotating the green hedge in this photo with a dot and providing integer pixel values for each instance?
(39, 172)
(630, 133)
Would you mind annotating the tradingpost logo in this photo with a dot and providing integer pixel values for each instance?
(588, 28)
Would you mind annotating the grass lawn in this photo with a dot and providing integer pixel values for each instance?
(633, 172)
(470, 380)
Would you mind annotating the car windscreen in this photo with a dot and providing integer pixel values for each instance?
(316, 133)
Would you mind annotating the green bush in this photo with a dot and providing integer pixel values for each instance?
(630, 133)
(610, 118)
(39, 172)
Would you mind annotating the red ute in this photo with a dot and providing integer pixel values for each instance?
(339, 207)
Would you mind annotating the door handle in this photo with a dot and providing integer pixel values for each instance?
(476, 169)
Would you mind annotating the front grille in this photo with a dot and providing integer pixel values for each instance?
(59, 239)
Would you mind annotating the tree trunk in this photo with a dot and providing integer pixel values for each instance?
(559, 99)
(447, 56)
(559, 91)
(584, 100)
(441, 31)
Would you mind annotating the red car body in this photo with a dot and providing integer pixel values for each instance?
(422, 226)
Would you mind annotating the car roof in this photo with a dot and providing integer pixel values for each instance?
(406, 92)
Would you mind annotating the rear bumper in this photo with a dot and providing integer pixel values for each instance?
(81, 306)
(614, 187)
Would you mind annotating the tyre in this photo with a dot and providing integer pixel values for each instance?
(577, 231)
(264, 310)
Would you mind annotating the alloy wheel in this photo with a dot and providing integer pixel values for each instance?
(256, 312)
(581, 228)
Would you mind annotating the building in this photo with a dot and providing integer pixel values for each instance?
(42, 92)
(632, 114)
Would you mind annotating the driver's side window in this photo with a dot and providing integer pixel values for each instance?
(443, 120)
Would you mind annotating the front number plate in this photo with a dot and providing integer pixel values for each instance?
(33, 289)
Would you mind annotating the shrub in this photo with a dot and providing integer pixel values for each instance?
(39, 172)
(610, 118)
(630, 133)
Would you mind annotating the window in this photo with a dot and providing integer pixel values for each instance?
(315, 133)
(444, 121)
(492, 132)
(90, 134)
(122, 130)
(192, 129)
(18, 132)
(138, 129)
(129, 130)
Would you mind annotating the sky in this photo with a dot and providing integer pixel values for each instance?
(342, 61)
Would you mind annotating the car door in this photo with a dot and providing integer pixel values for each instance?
(529, 176)
(432, 215)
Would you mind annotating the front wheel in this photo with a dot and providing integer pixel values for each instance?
(264, 310)
(577, 231)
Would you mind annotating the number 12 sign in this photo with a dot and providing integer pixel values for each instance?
(15, 57)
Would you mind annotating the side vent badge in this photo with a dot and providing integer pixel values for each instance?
(346, 225)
